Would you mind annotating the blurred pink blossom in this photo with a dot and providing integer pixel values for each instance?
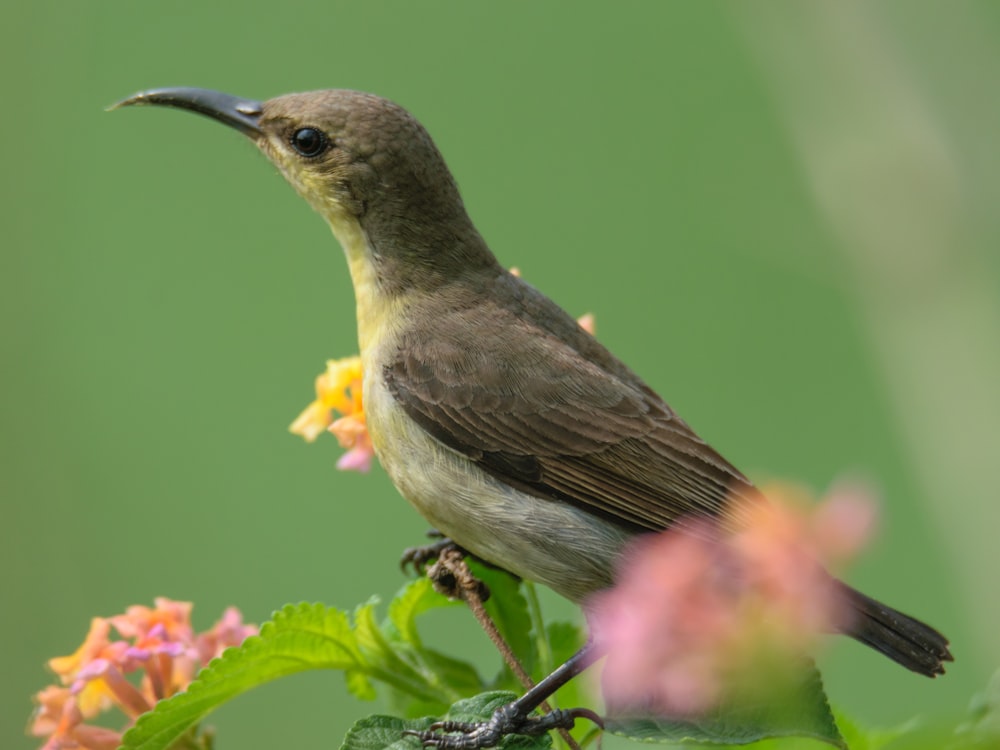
(702, 606)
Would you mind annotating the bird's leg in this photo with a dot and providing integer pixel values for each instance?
(419, 557)
(515, 717)
(451, 577)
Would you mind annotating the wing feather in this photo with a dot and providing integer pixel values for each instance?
(550, 411)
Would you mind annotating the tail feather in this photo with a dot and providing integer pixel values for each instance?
(902, 638)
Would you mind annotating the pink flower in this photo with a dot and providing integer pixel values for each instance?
(700, 611)
(229, 630)
(352, 433)
(158, 643)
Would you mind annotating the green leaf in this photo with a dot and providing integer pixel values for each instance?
(378, 732)
(383, 732)
(384, 658)
(481, 708)
(414, 599)
(459, 675)
(299, 638)
(359, 685)
(802, 712)
(509, 610)
(860, 738)
(565, 639)
(421, 680)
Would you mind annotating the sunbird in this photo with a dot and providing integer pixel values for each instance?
(505, 424)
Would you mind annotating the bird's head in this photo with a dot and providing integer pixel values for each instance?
(362, 162)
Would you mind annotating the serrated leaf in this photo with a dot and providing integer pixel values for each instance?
(298, 638)
(374, 644)
(414, 599)
(386, 732)
(459, 675)
(437, 691)
(366, 630)
(805, 712)
(481, 708)
(359, 685)
(395, 662)
(444, 679)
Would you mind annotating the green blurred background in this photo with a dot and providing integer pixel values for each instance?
(783, 216)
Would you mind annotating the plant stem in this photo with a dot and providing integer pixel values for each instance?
(538, 626)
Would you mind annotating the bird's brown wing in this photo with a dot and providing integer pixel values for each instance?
(536, 414)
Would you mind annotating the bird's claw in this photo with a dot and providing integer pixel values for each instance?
(420, 557)
(508, 719)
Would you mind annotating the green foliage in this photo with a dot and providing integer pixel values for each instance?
(423, 685)
(508, 608)
(859, 738)
(799, 712)
(417, 680)
(386, 732)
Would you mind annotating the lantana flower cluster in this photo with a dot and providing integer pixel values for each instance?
(338, 392)
(130, 662)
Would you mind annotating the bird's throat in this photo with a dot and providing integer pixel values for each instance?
(375, 309)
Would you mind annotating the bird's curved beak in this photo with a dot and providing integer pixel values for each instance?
(242, 114)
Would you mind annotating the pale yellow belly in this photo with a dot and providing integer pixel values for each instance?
(542, 540)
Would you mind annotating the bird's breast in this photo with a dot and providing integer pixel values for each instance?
(554, 543)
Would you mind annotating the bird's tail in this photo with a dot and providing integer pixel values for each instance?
(903, 639)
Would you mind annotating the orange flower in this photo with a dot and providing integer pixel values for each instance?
(699, 612)
(159, 643)
(352, 433)
(338, 391)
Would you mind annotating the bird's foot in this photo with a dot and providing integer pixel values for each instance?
(506, 720)
(451, 577)
(421, 557)
(449, 573)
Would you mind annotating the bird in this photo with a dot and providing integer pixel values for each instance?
(512, 430)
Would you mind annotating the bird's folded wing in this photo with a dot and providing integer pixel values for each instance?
(538, 415)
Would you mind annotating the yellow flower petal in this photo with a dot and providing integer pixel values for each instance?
(97, 638)
(338, 389)
(313, 420)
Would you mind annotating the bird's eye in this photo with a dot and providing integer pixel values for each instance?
(309, 141)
